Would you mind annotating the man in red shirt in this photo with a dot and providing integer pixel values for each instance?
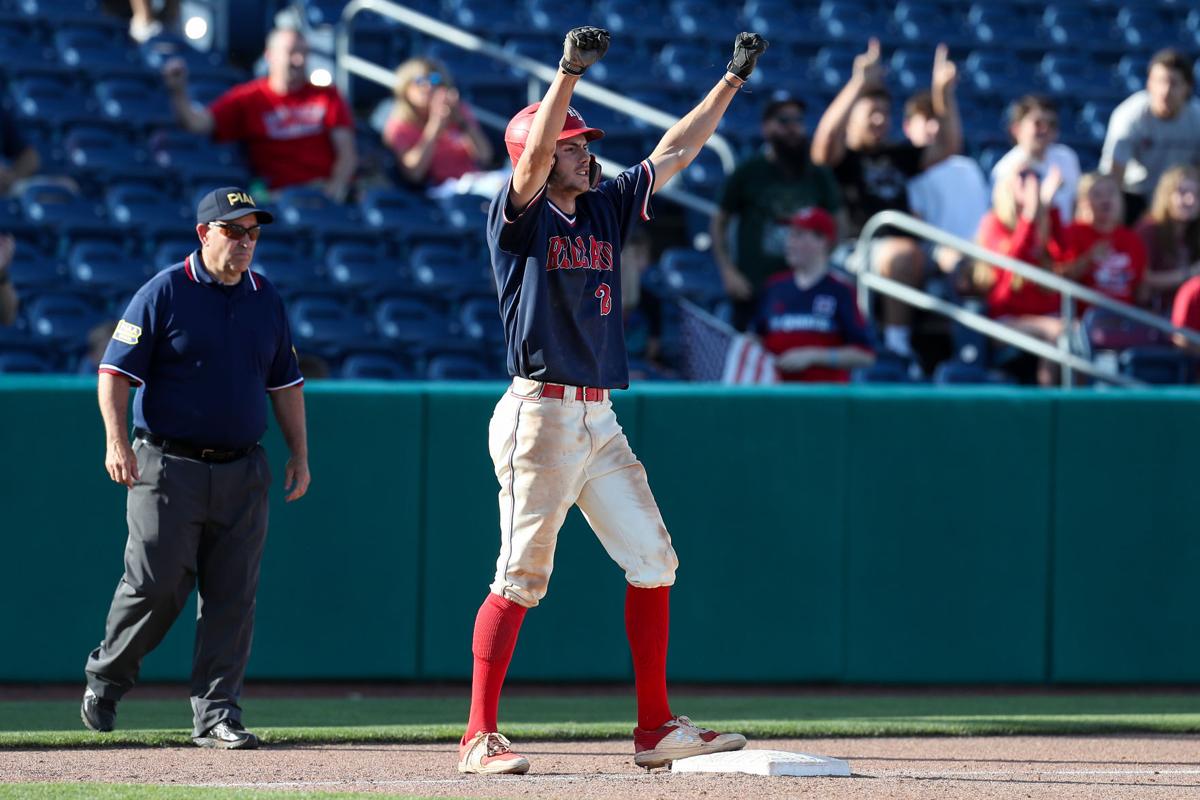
(808, 318)
(294, 132)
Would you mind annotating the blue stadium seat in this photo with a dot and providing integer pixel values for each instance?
(33, 270)
(361, 267)
(1158, 365)
(90, 49)
(1006, 26)
(832, 66)
(781, 21)
(294, 278)
(552, 16)
(680, 63)
(958, 372)
(1147, 28)
(411, 320)
(1076, 28)
(1104, 330)
(480, 320)
(457, 367)
(61, 317)
(52, 203)
(23, 361)
(200, 179)
(53, 100)
(442, 269)
(928, 23)
(1092, 123)
(486, 16)
(308, 207)
(996, 73)
(105, 268)
(171, 249)
(399, 210)
(137, 205)
(140, 102)
(97, 150)
(701, 19)
(375, 366)
(465, 211)
(691, 274)
(628, 16)
(326, 321)
(21, 46)
(53, 10)
(1072, 75)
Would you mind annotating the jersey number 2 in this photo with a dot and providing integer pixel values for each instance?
(604, 292)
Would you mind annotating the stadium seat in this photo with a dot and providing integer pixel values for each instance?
(375, 366)
(1158, 365)
(53, 100)
(1147, 28)
(411, 320)
(136, 205)
(958, 372)
(20, 46)
(308, 207)
(98, 152)
(140, 102)
(465, 211)
(399, 210)
(1102, 329)
(1072, 75)
(52, 203)
(1077, 28)
(325, 321)
(480, 320)
(928, 23)
(360, 267)
(61, 317)
(691, 274)
(32, 270)
(1006, 26)
(443, 269)
(91, 49)
(22, 361)
(106, 268)
(700, 20)
(997, 74)
(457, 367)
(781, 22)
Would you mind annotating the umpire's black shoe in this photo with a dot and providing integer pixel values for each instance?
(98, 714)
(227, 735)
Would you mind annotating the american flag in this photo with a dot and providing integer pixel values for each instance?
(716, 353)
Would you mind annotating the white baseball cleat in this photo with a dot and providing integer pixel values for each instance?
(490, 753)
(680, 738)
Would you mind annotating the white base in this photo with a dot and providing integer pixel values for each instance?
(765, 762)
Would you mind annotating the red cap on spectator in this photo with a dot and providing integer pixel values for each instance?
(815, 219)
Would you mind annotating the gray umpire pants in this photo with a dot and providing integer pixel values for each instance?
(189, 522)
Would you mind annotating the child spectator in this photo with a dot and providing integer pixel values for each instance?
(1171, 234)
(1097, 249)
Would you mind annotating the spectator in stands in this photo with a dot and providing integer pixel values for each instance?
(8, 293)
(431, 130)
(148, 21)
(952, 194)
(97, 342)
(763, 189)
(1033, 125)
(640, 306)
(1153, 130)
(1023, 224)
(1171, 234)
(1185, 311)
(21, 159)
(312, 366)
(873, 173)
(294, 132)
(807, 317)
(1097, 249)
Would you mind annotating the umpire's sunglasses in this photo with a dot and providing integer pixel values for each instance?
(238, 232)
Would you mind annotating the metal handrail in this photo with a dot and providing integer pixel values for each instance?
(1070, 291)
(347, 63)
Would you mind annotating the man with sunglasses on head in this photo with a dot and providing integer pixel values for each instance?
(762, 190)
(205, 342)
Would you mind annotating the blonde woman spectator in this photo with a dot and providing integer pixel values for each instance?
(1098, 250)
(433, 133)
(1023, 224)
(1171, 234)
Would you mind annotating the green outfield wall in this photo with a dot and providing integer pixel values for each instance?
(857, 535)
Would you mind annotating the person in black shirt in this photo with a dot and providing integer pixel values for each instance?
(873, 173)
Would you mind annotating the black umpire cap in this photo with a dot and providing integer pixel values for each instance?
(229, 202)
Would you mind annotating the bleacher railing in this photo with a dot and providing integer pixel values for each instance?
(538, 74)
(870, 280)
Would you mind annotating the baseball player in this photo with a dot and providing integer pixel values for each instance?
(555, 233)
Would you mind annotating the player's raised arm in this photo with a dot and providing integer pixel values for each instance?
(681, 144)
(581, 48)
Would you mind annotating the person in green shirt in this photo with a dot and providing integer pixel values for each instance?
(761, 191)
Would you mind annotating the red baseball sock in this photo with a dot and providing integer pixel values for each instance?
(496, 627)
(648, 626)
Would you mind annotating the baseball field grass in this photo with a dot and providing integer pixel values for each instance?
(351, 718)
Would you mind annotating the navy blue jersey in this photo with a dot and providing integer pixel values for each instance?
(823, 315)
(558, 277)
(203, 355)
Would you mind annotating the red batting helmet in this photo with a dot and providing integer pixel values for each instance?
(518, 130)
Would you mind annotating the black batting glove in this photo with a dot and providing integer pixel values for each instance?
(747, 47)
(582, 48)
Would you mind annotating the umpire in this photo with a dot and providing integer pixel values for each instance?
(204, 341)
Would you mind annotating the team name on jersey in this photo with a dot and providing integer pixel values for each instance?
(572, 252)
(790, 323)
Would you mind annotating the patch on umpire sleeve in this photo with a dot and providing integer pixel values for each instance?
(127, 332)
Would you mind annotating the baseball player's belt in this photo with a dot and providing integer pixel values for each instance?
(174, 447)
(588, 394)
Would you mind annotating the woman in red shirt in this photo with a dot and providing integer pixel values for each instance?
(1097, 249)
(1023, 224)
(433, 133)
(1171, 233)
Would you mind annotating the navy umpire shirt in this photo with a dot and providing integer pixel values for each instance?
(203, 355)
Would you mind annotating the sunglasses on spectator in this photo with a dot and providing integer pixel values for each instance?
(432, 79)
(238, 232)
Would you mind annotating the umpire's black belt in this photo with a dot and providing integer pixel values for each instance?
(174, 447)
